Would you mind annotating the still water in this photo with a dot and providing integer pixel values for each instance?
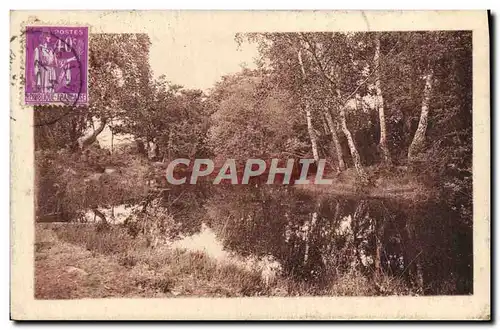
(316, 239)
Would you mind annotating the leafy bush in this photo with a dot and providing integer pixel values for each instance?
(71, 183)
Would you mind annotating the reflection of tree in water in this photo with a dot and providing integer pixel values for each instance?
(320, 239)
(185, 203)
(250, 220)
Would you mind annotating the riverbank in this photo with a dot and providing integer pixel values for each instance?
(77, 261)
(396, 183)
(73, 262)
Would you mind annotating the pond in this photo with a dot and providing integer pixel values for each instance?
(317, 239)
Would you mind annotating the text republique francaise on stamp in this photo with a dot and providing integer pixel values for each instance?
(56, 65)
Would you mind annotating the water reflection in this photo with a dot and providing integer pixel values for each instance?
(319, 239)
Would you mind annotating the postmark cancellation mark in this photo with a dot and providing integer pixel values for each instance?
(56, 65)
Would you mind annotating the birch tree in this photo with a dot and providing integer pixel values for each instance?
(307, 110)
(380, 104)
(419, 137)
(323, 56)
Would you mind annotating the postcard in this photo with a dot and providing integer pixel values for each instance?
(250, 165)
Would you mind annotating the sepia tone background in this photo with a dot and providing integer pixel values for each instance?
(191, 23)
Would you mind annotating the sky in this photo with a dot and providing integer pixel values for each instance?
(200, 60)
(192, 53)
(197, 62)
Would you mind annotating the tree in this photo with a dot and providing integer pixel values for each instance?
(119, 76)
(419, 137)
(303, 77)
(331, 65)
(173, 120)
(307, 110)
(251, 118)
(380, 103)
(335, 139)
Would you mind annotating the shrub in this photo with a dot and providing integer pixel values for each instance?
(154, 222)
(69, 183)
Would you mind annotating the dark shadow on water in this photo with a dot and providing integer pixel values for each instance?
(396, 247)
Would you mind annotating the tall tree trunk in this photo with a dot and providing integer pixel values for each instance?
(335, 139)
(419, 137)
(356, 159)
(380, 105)
(312, 134)
(310, 128)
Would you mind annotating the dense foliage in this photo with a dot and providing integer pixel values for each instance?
(387, 110)
(364, 101)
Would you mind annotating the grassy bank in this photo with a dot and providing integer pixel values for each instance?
(77, 261)
(396, 182)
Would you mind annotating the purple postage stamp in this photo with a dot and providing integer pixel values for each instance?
(56, 65)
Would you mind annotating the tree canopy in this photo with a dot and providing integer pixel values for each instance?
(358, 99)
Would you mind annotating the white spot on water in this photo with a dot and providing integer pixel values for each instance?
(207, 241)
(115, 215)
(345, 226)
(204, 241)
(109, 170)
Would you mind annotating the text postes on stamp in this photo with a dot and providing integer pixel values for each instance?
(56, 65)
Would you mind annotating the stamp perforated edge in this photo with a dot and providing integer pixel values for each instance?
(34, 21)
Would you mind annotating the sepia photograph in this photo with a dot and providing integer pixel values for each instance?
(175, 160)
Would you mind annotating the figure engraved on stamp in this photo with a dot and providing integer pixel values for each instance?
(56, 65)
